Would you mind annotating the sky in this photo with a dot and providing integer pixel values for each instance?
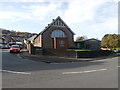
(90, 18)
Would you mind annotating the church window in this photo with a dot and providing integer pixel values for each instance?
(58, 34)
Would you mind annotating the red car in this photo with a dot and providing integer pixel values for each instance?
(15, 48)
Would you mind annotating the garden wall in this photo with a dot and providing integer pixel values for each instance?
(59, 53)
(93, 54)
(72, 54)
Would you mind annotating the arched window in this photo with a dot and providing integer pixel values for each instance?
(58, 34)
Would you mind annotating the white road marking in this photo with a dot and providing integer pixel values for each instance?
(84, 71)
(15, 72)
(102, 60)
(118, 66)
(99, 60)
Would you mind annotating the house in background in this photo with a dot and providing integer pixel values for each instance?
(91, 44)
(31, 39)
(56, 35)
(3, 43)
(28, 41)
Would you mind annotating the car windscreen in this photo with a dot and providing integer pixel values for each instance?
(15, 47)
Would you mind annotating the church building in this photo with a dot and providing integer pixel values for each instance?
(56, 35)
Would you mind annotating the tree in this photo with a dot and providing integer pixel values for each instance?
(118, 42)
(81, 38)
(111, 41)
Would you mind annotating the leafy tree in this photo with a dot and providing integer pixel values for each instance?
(111, 41)
(104, 42)
(81, 38)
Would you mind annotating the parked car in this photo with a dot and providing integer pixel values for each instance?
(118, 50)
(20, 44)
(4, 46)
(15, 48)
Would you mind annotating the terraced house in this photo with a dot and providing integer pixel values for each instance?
(56, 35)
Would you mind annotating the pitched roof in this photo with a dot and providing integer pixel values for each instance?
(31, 38)
(88, 40)
(56, 22)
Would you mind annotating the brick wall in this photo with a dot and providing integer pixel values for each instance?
(93, 54)
(74, 54)
(59, 53)
(48, 41)
(38, 41)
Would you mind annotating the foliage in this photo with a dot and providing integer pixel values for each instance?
(78, 50)
(12, 33)
(81, 38)
(71, 47)
(111, 41)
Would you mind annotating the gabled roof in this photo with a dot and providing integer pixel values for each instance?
(31, 38)
(56, 22)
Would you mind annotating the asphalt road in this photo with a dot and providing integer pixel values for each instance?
(22, 73)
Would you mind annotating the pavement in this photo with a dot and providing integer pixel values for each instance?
(53, 59)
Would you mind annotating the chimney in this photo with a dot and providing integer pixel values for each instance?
(53, 20)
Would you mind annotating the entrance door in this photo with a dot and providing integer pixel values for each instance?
(60, 43)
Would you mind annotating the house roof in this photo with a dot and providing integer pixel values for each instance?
(51, 24)
(87, 40)
(7, 39)
(31, 38)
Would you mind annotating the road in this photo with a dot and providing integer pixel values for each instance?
(22, 73)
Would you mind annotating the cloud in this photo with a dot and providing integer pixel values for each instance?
(41, 11)
(83, 10)
(36, 12)
(21, 0)
(96, 30)
(14, 16)
(46, 0)
(76, 10)
(108, 25)
(96, 15)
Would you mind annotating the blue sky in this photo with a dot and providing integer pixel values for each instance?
(91, 18)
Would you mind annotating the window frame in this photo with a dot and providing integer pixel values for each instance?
(58, 34)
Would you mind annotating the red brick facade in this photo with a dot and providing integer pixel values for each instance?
(60, 43)
(62, 38)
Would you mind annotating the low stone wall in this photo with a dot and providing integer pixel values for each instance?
(71, 54)
(59, 53)
(38, 51)
(93, 54)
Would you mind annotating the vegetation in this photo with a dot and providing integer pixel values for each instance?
(81, 38)
(111, 41)
(12, 33)
(78, 50)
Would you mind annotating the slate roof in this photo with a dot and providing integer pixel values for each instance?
(31, 38)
